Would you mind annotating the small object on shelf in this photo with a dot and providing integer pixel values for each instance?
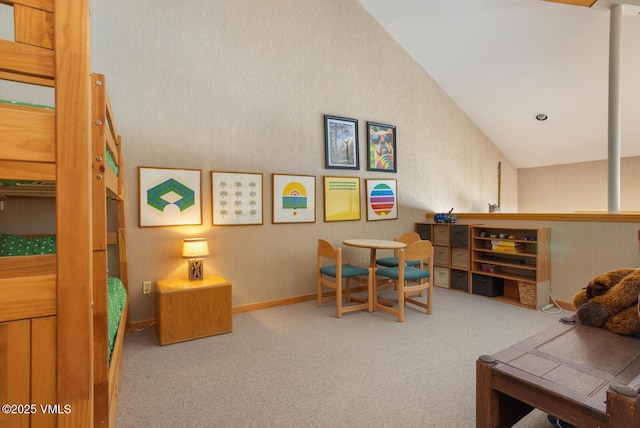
(507, 246)
(489, 268)
(445, 217)
(483, 234)
(195, 249)
(497, 258)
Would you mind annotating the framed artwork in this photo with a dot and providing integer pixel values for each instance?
(236, 198)
(294, 198)
(170, 197)
(382, 199)
(381, 147)
(341, 198)
(341, 143)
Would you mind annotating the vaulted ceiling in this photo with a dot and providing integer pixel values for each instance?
(506, 61)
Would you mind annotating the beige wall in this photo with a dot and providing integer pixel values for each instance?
(242, 85)
(577, 187)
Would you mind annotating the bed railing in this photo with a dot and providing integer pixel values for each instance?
(27, 287)
(30, 58)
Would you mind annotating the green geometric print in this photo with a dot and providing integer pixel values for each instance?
(155, 194)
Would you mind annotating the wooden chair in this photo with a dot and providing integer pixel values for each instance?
(411, 281)
(407, 238)
(332, 275)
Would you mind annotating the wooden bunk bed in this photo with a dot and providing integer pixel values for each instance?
(108, 188)
(54, 326)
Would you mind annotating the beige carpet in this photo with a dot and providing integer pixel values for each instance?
(299, 366)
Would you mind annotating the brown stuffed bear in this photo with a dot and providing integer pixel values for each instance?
(611, 301)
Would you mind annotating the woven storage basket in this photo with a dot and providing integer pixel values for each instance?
(528, 293)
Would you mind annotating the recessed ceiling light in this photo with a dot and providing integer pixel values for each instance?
(542, 116)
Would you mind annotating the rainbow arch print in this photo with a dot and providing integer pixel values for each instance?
(382, 200)
(293, 198)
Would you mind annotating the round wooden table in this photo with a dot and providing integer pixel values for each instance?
(373, 245)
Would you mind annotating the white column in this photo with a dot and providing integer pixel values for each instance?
(615, 39)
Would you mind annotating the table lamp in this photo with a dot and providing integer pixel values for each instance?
(195, 249)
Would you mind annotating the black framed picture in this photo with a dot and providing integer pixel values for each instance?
(381, 147)
(341, 143)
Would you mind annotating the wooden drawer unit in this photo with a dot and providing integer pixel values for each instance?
(460, 258)
(441, 256)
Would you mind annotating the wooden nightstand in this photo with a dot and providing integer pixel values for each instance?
(192, 309)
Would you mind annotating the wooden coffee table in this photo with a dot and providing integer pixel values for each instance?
(577, 373)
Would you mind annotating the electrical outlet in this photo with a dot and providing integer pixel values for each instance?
(146, 287)
(547, 307)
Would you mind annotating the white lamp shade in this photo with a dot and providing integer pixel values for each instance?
(195, 248)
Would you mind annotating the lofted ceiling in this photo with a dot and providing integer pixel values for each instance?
(505, 61)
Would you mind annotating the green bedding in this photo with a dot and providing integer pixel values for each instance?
(25, 104)
(112, 162)
(15, 245)
(116, 300)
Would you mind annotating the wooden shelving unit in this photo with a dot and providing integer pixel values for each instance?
(518, 257)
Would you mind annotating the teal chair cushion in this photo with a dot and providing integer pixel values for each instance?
(393, 261)
(410, 273)
(347, 270)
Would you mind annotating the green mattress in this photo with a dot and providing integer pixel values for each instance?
(26, 104)
(116, 300)
(15, 245)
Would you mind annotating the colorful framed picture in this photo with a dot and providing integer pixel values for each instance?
(236, 198)
(294, 198)
(341, 198)
(341, 143)
(170, 197)
(382, 199)
(381, 147)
